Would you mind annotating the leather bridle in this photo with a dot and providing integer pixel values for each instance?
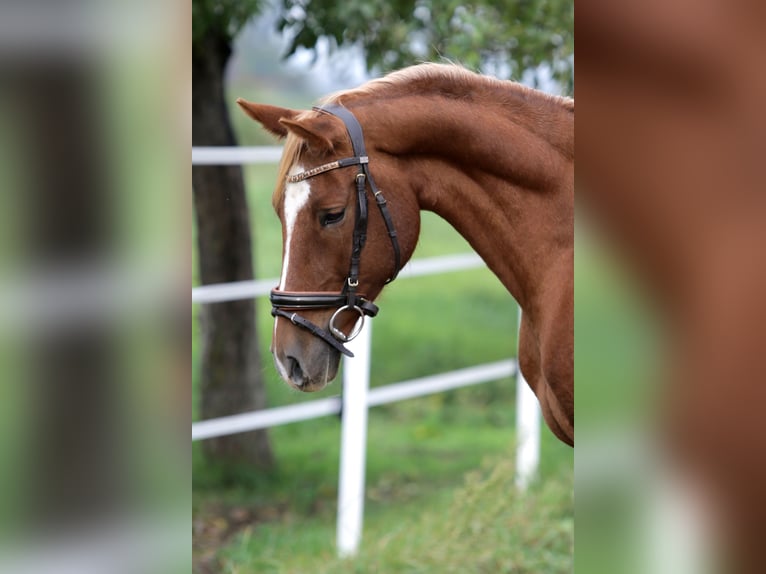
(287, 303)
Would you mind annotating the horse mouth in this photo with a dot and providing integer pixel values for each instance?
(295, 374)
(311, 387)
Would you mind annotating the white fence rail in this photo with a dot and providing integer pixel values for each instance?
(357, 396)
(235, 155)
(247, 289)
(390, 393)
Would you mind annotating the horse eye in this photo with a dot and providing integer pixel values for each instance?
(332, 218)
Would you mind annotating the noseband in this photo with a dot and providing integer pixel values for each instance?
(287, 303)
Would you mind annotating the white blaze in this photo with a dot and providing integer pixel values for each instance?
(296, 196)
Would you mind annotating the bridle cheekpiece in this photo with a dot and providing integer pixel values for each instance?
(287, 303)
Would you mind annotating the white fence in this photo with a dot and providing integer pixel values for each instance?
(357, 397)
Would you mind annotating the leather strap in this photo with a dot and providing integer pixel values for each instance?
(357, 142)
(382, 206)
(337, 164)
(352, 126)
(315, 330)
(360, 236)
(308, 300)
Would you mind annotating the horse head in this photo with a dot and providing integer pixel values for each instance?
(338, 249)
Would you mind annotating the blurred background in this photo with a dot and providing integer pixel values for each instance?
(94, 207)
(95, 213)
(439, 468)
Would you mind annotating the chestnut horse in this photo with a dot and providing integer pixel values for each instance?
(493, 158)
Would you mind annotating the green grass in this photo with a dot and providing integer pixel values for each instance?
(483, 525)
(419, 451)
(418, 454)
(417, 460)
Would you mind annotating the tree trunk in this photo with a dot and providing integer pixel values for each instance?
(230, 364)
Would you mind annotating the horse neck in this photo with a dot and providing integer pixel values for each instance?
(501, 175)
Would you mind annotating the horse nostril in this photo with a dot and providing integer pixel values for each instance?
(296, 373)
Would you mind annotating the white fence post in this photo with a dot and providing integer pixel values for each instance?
(353, 444)
(527, 430)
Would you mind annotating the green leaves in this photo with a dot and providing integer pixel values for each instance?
(221, 18)
(504, 37)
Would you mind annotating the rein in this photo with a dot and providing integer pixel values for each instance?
(287, 303)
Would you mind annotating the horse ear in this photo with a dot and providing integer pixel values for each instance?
(268, 116)
(321, 133)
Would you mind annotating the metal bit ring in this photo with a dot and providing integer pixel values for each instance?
(340, 335)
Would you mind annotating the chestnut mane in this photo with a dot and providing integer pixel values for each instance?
(440, 80)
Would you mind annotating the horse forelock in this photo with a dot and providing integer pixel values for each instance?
(291, 154)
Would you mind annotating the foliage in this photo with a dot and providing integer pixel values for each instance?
(504, 37)
(221, 18)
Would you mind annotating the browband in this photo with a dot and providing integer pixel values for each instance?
(346, 162)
